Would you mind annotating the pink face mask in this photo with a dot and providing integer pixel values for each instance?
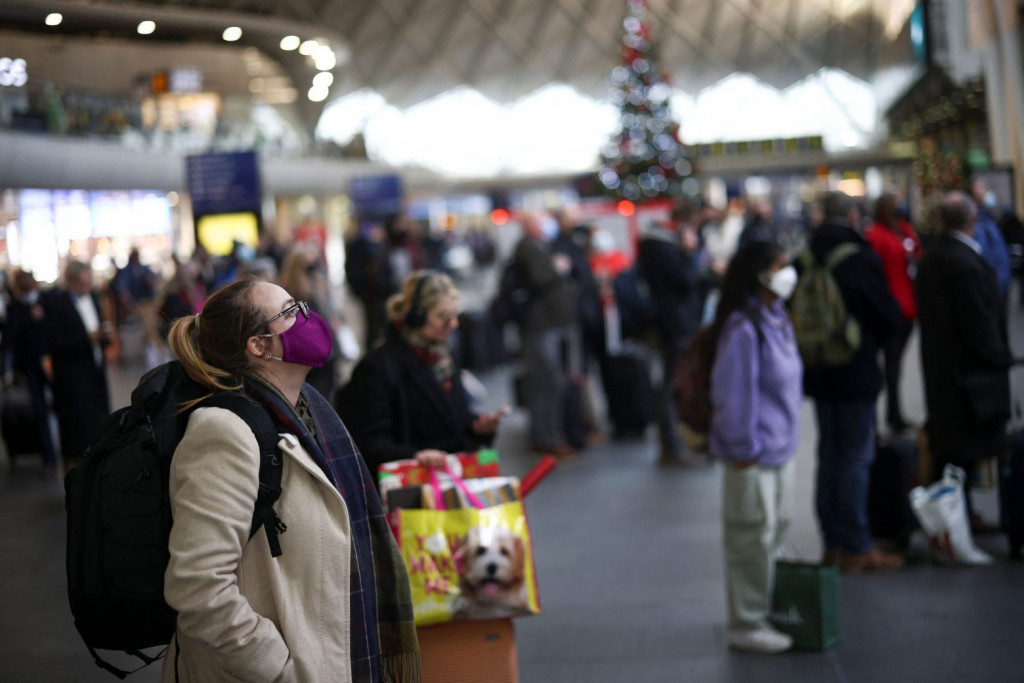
(307, 342)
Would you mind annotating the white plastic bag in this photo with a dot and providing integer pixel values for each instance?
(942, 512)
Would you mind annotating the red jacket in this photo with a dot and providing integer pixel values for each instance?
(899, 257)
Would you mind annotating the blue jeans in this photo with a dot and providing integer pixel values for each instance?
(846, 448)
(667, 413)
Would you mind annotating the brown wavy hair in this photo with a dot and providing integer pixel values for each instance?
(211, 345)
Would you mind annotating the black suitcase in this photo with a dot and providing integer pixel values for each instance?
(1011, 493)
(519, 390)
(629, 392)
(18, 423)
(480, 346)
(893, 475)
(575, 413)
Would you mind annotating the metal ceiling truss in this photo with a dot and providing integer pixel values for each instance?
(409, 50)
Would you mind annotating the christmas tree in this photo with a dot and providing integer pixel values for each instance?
(645, 159)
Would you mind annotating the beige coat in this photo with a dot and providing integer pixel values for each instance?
(244, 615)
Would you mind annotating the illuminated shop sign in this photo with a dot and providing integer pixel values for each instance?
(13, 72)
(186, 80)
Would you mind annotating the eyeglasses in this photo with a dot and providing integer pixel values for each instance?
(302, 307)
(445, 317)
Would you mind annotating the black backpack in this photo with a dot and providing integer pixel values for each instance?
(119, 513)
(512, 301)
(637, 313)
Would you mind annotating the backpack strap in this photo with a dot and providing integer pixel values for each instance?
(266, 432)
(840, 254)
(806, 259)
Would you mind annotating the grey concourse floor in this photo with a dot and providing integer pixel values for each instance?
(629, 563)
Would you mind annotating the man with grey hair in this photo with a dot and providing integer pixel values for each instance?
(965, 352)
(550, 333)
(77, 335)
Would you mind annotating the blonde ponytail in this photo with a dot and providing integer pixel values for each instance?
(182, 340)
(211, 345)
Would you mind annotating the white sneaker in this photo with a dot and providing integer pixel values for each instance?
(763, 640)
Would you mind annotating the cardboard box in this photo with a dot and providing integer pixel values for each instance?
(490, 490)
(469, 652)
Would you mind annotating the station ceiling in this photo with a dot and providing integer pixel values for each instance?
(411, 50)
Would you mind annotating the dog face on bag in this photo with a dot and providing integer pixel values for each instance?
(491, 563)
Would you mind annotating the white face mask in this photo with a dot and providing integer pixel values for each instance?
(782, 282)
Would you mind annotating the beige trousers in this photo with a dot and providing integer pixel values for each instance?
(756, 504)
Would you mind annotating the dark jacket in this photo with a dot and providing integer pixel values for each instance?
(963, 332)
(586, 290)
(551, 298)
(674, 281)
(24, 338)
(368, 269)
(394, 406)
(866, 294)
(81, 396)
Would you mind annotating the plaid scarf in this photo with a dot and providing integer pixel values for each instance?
(436, 356)
(383, 641)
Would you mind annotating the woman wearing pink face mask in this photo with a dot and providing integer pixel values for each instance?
(334, 604)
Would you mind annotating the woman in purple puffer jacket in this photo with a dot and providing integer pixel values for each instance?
(756, 392)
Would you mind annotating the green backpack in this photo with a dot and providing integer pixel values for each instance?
(826, 333)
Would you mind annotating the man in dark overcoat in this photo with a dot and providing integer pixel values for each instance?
(965, 352)
(77, 335)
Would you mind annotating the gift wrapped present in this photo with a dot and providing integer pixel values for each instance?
(482, 463)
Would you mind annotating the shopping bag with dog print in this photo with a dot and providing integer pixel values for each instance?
(468, 563)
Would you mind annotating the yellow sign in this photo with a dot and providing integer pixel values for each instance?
(218, 232)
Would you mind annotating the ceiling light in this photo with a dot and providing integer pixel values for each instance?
(290, 42)
(324, 58)
(146, 27)
(323, 79)
(231, 34)
(308, 47)
(54, 19)
(316, 94)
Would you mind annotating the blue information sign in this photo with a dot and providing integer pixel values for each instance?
(376, 196)
(226, 182)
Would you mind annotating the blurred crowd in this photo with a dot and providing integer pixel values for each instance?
(749, 315)
(57, 341)
(708, 304)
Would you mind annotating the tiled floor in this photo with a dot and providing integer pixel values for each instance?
(630, 569)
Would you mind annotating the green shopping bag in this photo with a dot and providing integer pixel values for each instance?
(807, 604)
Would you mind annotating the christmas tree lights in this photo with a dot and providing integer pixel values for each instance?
(646, 158)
